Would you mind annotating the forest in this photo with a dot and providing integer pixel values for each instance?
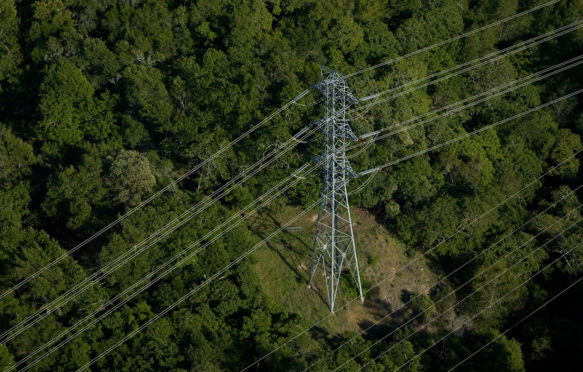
(158, 189)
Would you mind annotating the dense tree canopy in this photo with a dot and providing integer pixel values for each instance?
(104, 102)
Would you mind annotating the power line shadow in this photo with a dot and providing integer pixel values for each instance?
(297, 260)
(292, 263)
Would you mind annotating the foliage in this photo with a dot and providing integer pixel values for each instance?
(103, 102)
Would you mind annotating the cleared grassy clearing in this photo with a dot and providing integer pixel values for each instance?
(283, 268)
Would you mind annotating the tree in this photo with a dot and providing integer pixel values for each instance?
(131, 177)
(422, 305)
(73, 192)
(69, 111)
(504, 354)
(11, 56)
(16, 158)
(146, 96)
(52, 33)
(6, 358)
(566, 146)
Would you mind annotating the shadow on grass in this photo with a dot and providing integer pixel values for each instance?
(387, 319)
(291, 248)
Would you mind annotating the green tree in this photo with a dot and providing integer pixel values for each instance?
(131, 177)
(6, 358)
(11, 55)
(73, 192)
(146, 96)
(423, 305)
(52, 33)
(566, 146)
(503, 354)
(16, 158)
(69, 111)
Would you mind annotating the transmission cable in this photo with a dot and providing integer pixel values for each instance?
(476, 315)
(485, 60)
(152, 197)
(378, 100)
(297, 174)
(177, 262)
(457, 269)
(166, 230)
(516, 324)
(41, 313)
(196, 289)
(472, 101)
(556, 100)
(500, 259)
(477, 131)
(458, 37)
(430, 250)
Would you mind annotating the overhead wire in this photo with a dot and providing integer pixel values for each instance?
(191, 293)
(378, 100)
(364, 185)
(154, 238)
(563, 98)
(286, 182)
(482, 311)
(357, 72)
(361, 112)
(457, 269)
(477, 131)
(484, 60)
(473, 100)
(375, 171)
(546, 303)
(424, 254)
(152, 197)
(499, 259)
(458, 37)
(176, 262)
(196, 289)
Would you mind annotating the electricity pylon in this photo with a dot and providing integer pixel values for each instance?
(334, 245)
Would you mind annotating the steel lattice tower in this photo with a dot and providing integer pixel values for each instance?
(334, 245)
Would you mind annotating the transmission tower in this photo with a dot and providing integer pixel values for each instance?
(334, 245)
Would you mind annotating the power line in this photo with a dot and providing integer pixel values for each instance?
(487, 59)
(154, 196)
(517, 323)
(182, 177)
(500, 259)
(169, 228)
(473, 100)
(477, 131)
(304, 133)
(473, 292)
(196, 289)
(377, 100)
(457, 269)
(297, 174)
(177, 261)
(478, 314)
(459, 105)
(430, 250)
(451, 40)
